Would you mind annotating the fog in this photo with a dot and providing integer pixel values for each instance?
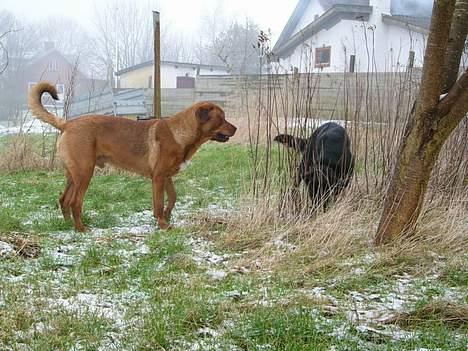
(412, 7)
(100, 38)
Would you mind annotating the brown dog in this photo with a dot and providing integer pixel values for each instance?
(155, 149)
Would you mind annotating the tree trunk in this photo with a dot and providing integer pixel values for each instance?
(431, 122)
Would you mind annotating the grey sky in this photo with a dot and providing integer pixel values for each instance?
(181, 15)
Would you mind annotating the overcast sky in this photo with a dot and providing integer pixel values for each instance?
(185, 15)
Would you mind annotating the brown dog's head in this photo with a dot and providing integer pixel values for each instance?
(213, 125)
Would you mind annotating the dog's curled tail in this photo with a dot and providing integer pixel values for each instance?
(298, 144)
(38, 110)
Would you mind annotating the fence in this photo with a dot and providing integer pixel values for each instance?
(317, 95)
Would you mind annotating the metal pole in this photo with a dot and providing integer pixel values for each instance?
(157, 66)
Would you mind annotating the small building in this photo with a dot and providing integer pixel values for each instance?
(50, 65)
(353, 36)
(47, 65)
(173, 74)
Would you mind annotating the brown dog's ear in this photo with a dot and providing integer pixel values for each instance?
(202, 112)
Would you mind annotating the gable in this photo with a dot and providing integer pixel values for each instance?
(306, 12)
(50, 61)
(311, 16)
(325, 21)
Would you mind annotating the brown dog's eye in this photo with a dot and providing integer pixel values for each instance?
(203, 113)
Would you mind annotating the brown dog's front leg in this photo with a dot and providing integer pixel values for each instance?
(171, 198)
(158, 201)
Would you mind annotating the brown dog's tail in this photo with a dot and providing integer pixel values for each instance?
(38, 110)
(296, 143)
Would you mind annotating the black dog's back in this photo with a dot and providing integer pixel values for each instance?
(329, 145)
(327, 162)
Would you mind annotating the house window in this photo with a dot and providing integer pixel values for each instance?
(322, 56)
(60, 89)
(52, 66)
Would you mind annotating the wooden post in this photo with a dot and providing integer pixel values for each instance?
(352, 62)
(411, 59)
(157, 66)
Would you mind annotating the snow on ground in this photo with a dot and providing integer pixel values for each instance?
(33, 126)
(132, 230)
(365, 310)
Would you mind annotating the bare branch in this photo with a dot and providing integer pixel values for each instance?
(4, 49)
(456, 44)
(7, 60)
(454, 96)
(435, 53)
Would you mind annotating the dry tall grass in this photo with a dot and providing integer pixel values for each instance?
(21, 152)
(374, 107)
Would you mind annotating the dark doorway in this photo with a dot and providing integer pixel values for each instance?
(185, 83)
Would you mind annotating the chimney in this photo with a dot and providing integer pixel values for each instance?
(49, 45)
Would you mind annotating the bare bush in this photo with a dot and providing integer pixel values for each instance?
(21, 154)
(374, 108)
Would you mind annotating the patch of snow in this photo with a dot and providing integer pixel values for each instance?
(33, 126)
(207, 332)
(62, 259)
(282, 245)
(216, 274)
(6, 250)
(14, 278)
(99, 305)
(234, 294)
(391, 332)
(201, 252)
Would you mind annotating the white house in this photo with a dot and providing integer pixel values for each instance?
(354, 35)
(173, 74)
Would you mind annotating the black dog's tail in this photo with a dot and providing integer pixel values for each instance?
(296, 143)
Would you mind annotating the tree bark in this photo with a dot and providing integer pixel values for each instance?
(430, 124)
(456, 43)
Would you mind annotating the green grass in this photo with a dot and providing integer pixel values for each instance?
(126, 285)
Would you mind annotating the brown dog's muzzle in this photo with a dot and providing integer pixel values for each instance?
(223, 135)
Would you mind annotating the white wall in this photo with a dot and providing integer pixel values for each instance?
(169, 74)
(206, 71)
(314, 8)
(378, 46)
(139, 78)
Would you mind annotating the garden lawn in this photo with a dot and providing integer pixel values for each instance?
(125, 285)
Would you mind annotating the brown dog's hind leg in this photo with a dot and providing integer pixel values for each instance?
(158, 201)
(81, 185)
(171, 198)
(66, 197)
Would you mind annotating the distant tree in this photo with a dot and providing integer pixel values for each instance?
(235, 47)
(3, 53)
(19, 43)
(433, 119)
(124, 37)
(175, 46)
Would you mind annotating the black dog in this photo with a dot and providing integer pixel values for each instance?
(327, 162)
